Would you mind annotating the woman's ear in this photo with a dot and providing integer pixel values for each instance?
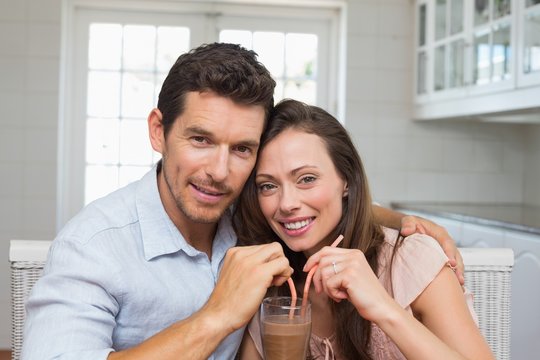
(345, 190)
(155, 130)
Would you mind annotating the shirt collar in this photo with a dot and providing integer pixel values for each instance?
(159, 234)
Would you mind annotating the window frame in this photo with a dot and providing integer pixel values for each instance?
(205, 19)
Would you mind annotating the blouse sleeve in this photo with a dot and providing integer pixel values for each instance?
(417, 262)
(254, 329)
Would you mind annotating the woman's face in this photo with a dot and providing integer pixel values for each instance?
(299, 190)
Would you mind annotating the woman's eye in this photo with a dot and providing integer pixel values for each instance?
(266, 187)
(308, 179)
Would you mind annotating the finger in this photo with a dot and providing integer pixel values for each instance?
(325, 252)
(334, 289)
(408, 227)
(421, 229)
(267, 252)
(329, 271)
(276, 269)
(279, 280)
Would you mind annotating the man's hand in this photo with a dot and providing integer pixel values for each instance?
(246, 275)
(415, 224)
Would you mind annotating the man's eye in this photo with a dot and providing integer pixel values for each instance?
(243, 149)
(199, 139)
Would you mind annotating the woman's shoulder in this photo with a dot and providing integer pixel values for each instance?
(413, 241)
(416, 262)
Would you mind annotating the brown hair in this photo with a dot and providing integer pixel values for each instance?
(357, 223)
(228, 70)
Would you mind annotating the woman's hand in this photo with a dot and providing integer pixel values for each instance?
(346, 274)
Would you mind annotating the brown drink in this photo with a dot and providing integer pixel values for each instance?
(284, 338)
(285, 329)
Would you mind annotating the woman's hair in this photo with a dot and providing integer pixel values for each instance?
(357, 223)
(228, 70)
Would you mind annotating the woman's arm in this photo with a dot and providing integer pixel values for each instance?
(444, 325)
(445, 328)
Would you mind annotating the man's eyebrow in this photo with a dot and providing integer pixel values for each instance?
(197, 130)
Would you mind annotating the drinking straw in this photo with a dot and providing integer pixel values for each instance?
(293, 297)
(310, 275)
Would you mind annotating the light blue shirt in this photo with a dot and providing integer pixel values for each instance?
(118, 273)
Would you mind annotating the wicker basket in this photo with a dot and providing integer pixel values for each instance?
(27, 258)
(488, 277)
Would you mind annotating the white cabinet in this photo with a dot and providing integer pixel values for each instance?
(525, 342)
(478, 58)
(481, 236)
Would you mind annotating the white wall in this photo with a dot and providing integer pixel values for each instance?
(29, 68)
(405, 160)
(532, 166)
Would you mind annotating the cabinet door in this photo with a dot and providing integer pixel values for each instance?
(525, 317)
(481, 236)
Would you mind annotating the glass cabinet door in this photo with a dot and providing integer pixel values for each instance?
(449, 52)
(531, 37)
(492, 47)
(421, 57)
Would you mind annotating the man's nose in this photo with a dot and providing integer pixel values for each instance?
(218, 165)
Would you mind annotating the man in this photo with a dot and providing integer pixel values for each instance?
(151, 271)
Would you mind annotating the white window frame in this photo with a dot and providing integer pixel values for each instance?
(77, 14)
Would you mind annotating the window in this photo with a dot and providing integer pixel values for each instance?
(117, 60)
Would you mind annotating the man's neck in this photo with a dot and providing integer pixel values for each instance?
(199, 235)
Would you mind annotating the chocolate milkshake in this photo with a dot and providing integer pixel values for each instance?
(284, 338)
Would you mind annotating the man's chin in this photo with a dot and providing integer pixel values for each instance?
(204, 217)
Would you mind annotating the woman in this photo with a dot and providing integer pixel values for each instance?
(402, 300)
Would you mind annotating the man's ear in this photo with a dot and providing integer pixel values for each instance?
(155, 130)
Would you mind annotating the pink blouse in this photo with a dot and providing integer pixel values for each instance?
(417, 262)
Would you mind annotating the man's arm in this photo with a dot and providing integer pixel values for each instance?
(72, 310)
(408, 224)
(246, 275)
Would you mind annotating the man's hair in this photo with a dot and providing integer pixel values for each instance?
(228, 70)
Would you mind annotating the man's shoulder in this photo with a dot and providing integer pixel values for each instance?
(111, 212)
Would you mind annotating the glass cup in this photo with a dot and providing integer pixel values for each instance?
(285, 329)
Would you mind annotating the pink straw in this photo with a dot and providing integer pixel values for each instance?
(310, 276)
(293, 297)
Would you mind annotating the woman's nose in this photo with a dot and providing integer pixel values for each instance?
(289, 200)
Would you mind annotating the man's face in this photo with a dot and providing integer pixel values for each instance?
(208, 155)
